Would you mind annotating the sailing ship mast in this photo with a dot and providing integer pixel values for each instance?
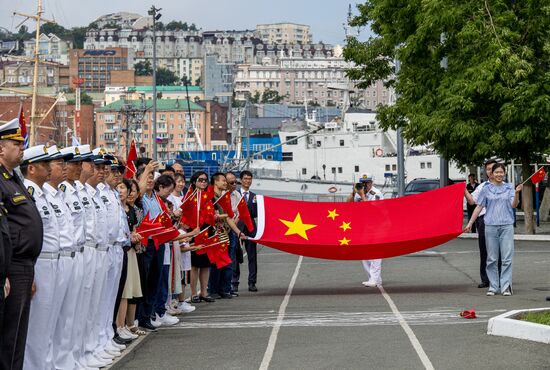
(38, 18)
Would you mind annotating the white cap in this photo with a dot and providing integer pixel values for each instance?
(365, 177)
(11, 130)
(38, 153)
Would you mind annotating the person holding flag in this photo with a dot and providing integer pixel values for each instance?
(499, 198)
(224, 223)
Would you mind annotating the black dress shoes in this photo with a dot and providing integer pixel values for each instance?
(148, 326)
(118, 340)
(226, 296)
(252, 288)
(483, 285)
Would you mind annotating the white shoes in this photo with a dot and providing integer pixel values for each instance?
(165, 320)
(371, 284)
(186, 307)
(124, 333)
(93, 362)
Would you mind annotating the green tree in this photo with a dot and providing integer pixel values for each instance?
(85, 99)
(54, 28)
(166, 77)
(271, 96)
(78, 36)
(198, 81)
(177, 25)
(490, 98)
(143, 68)
(193, 27)
(255, 99)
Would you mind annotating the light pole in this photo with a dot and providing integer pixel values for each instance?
(154, 12)
(443, 162)
(400, 148)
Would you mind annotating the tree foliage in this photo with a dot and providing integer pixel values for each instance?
(166, 77)
(271, 96)
(492, 98)
(143, 68)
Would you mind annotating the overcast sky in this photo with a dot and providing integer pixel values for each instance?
(325, 17)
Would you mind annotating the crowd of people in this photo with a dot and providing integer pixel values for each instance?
(79, 281)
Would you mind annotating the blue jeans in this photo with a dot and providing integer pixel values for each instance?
(500, 242)
(161, 294)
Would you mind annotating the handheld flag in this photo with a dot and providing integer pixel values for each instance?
(130, 165)
(538, 176)
(23, 127)
(225, 202)
(244, 214)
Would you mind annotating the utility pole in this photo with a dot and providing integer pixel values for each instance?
(38, 18)
(154, 12)
(400, 150)
(443, 163)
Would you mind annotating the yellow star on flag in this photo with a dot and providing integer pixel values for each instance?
(297, 227)
(345, 225)
(332, 214)
(344, 241)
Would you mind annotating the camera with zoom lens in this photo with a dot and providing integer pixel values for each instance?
(359, 186)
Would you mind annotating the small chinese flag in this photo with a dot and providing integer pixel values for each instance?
(165, 236)
(538, 176)
(201, 238)
(244, 215)
(130, 166)
(225, 202)
(23, 127)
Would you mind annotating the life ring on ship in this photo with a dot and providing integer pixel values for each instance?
(332, 189)
(379, 152)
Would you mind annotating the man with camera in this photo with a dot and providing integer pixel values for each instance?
(364, 191)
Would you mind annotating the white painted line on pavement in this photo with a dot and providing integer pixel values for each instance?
(282, 309)
(414, 340)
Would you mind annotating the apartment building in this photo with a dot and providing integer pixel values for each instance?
(50, 47)
(284, 33)
(17, 73)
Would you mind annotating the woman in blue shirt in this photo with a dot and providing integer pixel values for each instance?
(499, 198)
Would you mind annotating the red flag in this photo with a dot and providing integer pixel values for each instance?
(23, 126)
(338, 230)
(164, 218)
(130, 166)
(225, 202)
(201, 238)
(538, 176)
(190, 210)
(147, 228)
(165, 236)
(206, 210)
(208, 242)
(244, 214)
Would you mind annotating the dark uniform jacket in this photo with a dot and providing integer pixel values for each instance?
(5, 249)
(25, 223)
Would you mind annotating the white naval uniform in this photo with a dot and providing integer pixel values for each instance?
(65, 267)
(70, 325)
(41, 319)
(101, 265)
(89, 257)
(373, 268)
(114, 264)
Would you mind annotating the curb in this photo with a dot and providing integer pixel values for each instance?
(524, 237)
(506, 325)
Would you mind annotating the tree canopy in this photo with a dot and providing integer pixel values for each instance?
(166, 77)
(492, 98)
(143, 68)
(474, 77)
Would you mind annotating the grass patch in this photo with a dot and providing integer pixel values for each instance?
(537, 317)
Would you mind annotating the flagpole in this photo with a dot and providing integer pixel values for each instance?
(199, 206)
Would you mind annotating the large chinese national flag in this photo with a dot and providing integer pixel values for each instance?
(362, 230)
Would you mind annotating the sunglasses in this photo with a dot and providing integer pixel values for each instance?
(202, 180)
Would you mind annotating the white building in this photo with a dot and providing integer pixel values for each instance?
(51, 48)
(284, 33)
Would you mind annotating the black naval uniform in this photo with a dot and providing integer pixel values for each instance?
(26, 234)
(5, 257)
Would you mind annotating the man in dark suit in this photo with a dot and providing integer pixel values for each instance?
(251, 249)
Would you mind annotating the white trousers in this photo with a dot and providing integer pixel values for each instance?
(64, 278)
(84, 323)
(108, 299)
(373, 268)
(41, 322)
(100, 275)
(69, 318)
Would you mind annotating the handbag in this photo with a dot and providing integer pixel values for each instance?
(240, 257)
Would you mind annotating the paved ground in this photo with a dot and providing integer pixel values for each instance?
(330, 321)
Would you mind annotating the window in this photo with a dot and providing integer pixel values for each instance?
(214, 156)
(291, 140)
(429, 164)
(304, 171)
(422, 165)
(318, 144)
(340, 170)
(287, 156)
(357, 168)
(394, 167)
(333, 169)
(388, 167)
(270, 157)
(341, 142)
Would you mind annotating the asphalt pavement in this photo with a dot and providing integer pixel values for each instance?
(328, 320)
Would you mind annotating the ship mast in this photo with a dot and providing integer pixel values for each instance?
(38, 18)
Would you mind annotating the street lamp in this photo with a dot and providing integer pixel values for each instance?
(154, 13)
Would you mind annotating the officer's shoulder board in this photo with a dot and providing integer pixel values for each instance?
(63, 187)
(30, 189)
(6, 175)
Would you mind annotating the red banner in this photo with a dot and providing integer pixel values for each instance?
(362, 230)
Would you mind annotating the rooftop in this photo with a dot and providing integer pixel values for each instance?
(165, 88)
(170, 105)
